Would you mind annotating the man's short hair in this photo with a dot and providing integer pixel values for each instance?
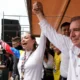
(75, 18)
(65, 24)
(16, 39)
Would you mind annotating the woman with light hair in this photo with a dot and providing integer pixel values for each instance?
(30, 61)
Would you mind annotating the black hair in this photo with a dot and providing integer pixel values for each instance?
(32, 37)
(35, 44)
(65, 24)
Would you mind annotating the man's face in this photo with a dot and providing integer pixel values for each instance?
(27, 42)
(15, 44)
(75, 32)
(65, 30)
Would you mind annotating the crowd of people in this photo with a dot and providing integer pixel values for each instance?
(56, 57)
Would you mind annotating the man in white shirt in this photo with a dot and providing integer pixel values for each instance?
(64, 44)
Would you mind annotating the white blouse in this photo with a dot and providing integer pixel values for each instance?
(33, 66)
(49, 63)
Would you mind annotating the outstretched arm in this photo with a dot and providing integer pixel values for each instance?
(39, 52)
(56, 39)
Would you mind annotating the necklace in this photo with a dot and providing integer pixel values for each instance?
(23, 63)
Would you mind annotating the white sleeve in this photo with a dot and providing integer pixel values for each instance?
(60, 41)
(39, 52)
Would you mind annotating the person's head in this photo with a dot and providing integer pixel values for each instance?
(65, 28)
(28, 42)
(16, 41)
(75, 31)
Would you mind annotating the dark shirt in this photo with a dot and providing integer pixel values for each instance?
(8, 62)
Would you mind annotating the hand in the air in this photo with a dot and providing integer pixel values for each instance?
(37, 8)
